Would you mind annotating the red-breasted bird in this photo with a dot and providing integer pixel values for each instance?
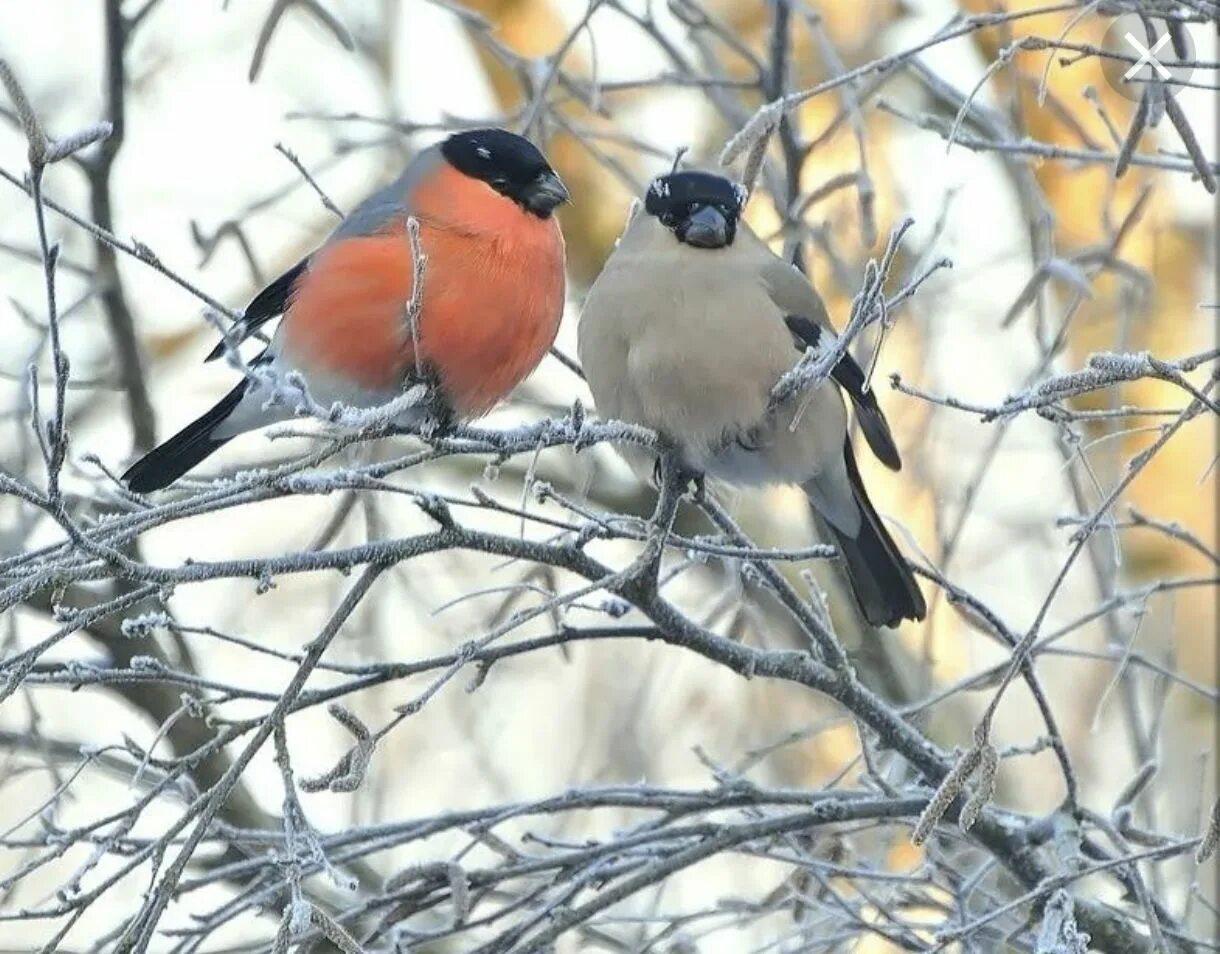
(493, 294)
(689, 327)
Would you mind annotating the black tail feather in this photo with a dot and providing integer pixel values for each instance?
(881, 581)
(165, 463)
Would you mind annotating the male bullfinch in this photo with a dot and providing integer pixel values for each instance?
(686, 331)
(493, 293)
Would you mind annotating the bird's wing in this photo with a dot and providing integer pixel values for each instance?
(389, 202)
(806, 318)
(368, 218)
(850, 377)
(267, 304)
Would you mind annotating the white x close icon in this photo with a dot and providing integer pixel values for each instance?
(1148, 56)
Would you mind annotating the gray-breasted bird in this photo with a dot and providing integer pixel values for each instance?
(686, 331)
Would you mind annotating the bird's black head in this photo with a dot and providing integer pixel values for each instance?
(700, 208)
(508, 163)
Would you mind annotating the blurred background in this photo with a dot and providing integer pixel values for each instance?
(989, 504)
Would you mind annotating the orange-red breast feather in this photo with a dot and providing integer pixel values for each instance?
(491, 305)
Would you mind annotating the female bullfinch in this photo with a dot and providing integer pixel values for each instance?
(492, 298)
(688, 328)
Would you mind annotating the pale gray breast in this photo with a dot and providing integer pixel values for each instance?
(686, 341)
(690, 342)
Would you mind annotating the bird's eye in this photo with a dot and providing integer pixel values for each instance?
(668, 219)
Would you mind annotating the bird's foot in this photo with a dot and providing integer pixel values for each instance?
(684, 477)
(645, 573)
(696, 481)
(439, 420)
(444, 417)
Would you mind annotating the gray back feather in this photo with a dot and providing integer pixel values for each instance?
(378, 210)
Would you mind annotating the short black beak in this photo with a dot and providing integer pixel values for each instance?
(706, 228)
(546, 192)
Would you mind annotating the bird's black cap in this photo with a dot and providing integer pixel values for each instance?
(677, 191)
(510, 164)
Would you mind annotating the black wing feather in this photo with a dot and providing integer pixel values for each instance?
(268, 303)
(850, 377)
(882, 582)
